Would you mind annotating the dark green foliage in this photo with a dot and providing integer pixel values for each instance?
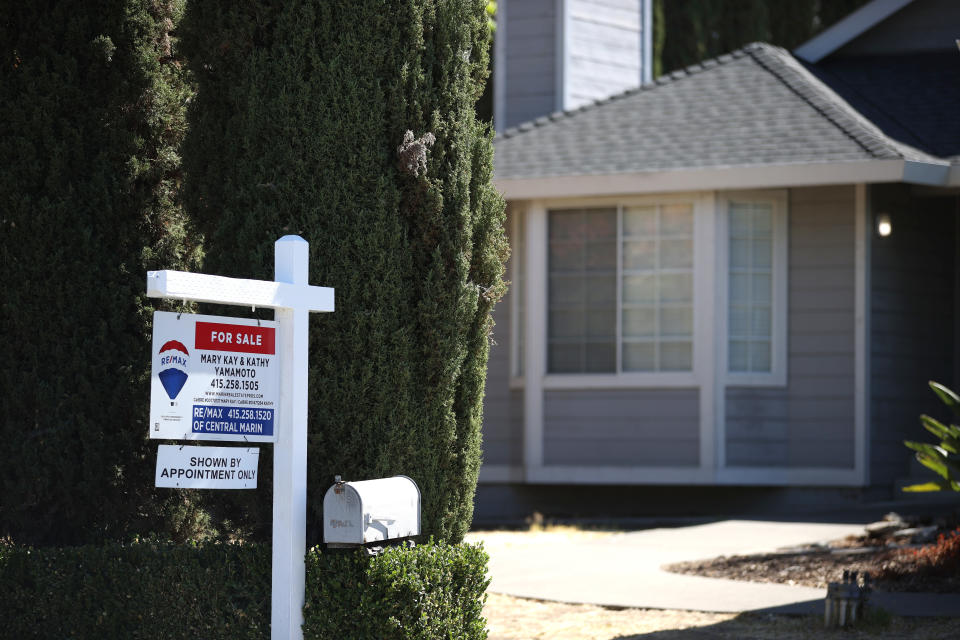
(135, 591)
(91, 115)
(688, 31)
(301, 109)
(161, 591)
(432, 591)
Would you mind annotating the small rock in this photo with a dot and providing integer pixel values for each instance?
(883, 527)
(918, 534)
(893, 516)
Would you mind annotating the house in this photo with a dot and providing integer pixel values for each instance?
(701, 297)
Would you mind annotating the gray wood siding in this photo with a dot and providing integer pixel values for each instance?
(810, 422)
(928, 25)
(502, 406)
(604, 55)
(623, 427)
(531, 51)
(913, 322)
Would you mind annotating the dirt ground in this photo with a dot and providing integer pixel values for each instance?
(511, 618)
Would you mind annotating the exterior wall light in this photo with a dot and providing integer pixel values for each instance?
(884, 226)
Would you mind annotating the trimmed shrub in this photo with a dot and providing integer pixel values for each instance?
(145, 590)
(429, 592)
(351, 123)
(92, 112)
(135, 591)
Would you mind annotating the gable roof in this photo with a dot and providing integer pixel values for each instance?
(757, 109)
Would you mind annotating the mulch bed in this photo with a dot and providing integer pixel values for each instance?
(892, 564)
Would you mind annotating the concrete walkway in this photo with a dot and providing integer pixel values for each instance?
(623, 569)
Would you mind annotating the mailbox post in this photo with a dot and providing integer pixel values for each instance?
(293, 299)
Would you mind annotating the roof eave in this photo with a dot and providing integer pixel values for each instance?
(728, 178)
(855, 24)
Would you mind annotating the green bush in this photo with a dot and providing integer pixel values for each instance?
(300, 125)
(92, 113)
(148, 590)
(429, 592)
(135, 591)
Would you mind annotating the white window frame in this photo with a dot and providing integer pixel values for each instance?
(703, 295)
(777, 376)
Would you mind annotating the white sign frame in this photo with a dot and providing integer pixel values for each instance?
(292, 298)
(214, 378)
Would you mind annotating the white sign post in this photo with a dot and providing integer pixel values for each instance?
(292, 299)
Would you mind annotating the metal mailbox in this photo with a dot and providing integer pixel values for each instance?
(358, 513)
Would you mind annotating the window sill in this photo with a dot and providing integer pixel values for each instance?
(662, 380)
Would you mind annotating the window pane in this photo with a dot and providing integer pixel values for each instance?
(566, 256)
(762, 221)
(739, 288)
(567, 225)
(739, 253)
(564, 358)
(640, 221)
(639, 288)
(640, 254)
(601, 323)
(676, 287)
(566, 290)
(601, 357)
(582, 290)
(762, 253)
(601, 289)
(676, 253)
(739, 355)
(567, 323)
(600, 225)
(639, 322)
(676, 219)
(676, 321)
(761, 289)
(739, 320)
(602, 255)
(760, 322)
(750, 278)
(640, 356)
(760, 356)
(739, 222)
(676, 356)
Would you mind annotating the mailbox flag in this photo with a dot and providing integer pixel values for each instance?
(173, 367)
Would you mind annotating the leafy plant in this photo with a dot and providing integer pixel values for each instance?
(942, 459)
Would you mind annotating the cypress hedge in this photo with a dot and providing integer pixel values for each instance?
(150, 590)
(92, 112)
(351, 123)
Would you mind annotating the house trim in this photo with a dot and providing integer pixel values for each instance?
(500, 473)
(727, 178)
(855, 24)
(535, 314)
(861, 415)
(500, 70)
(747, 476)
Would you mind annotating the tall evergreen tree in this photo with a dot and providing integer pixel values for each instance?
(351, 123)
(91, 116)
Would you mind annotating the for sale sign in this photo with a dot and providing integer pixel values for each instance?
(214, 378)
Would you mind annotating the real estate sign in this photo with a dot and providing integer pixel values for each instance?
(207, 467)
(214, 378)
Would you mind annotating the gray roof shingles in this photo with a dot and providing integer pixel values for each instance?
(757, 106)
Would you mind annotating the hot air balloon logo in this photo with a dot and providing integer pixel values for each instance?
(174, 358)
